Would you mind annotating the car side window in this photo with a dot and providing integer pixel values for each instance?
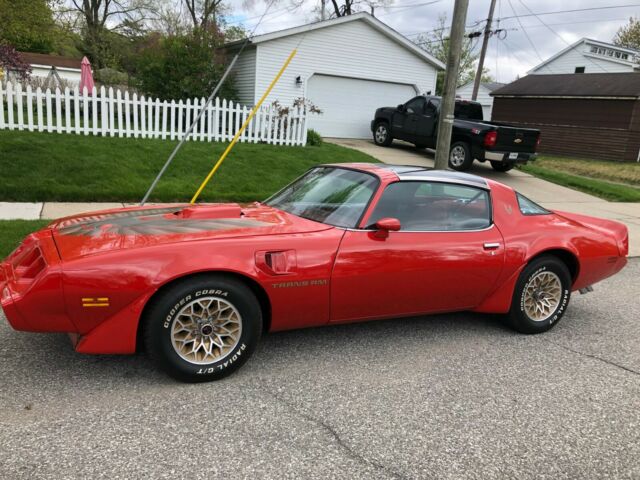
(416, 105)
(434, 206)
(529, 207)
(431, 107)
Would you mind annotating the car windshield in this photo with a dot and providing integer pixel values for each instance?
(336, 196)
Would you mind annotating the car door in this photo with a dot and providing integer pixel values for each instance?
(426, 123)
(405, 119)
(447, 255)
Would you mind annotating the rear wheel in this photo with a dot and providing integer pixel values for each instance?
(460, 156)
(541, 295)
(501, 166)
(203, 328)
(381, 134)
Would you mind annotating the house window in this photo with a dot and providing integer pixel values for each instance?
(579, 70)
(609, 52)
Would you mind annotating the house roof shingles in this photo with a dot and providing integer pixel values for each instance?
(491, 86)
(54, 60)
(574, 85)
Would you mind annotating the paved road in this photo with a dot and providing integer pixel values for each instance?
(449, 396)
(550, 195)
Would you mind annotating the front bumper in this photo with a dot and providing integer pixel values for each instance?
(510, 157)
(31, 294)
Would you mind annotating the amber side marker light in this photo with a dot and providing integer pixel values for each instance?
(95, 302)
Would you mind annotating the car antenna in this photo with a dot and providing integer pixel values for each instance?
(204, 107)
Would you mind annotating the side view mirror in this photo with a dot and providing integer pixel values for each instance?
(401, 107)
(386, 225)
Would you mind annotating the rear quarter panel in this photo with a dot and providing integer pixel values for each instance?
(527, 236)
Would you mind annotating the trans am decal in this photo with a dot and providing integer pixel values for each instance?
(155, 221)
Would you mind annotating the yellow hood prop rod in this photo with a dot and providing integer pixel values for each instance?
(243, 127)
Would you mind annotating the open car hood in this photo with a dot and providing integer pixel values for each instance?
(133, 227)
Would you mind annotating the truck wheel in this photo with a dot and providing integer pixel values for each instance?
(541, 295)
(501, 166)
(381, 134)
(460, 156)
(203, 328)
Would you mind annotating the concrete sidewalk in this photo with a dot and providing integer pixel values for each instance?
(49, 210)
(550, 195)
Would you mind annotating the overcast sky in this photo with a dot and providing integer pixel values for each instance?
(506, 58)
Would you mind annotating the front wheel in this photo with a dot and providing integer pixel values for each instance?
(541, 295)
(203, 328)
(460, 156)
(381, 134)
(501, 166)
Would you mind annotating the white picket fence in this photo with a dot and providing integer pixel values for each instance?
(114, 114)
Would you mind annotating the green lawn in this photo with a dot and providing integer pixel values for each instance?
(13, 231)
(76, 168)
(615, 181)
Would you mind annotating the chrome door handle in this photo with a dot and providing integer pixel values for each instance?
(491, 246)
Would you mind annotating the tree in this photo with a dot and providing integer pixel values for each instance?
(436, 43)
(182, 66)
(203, 13)
(629, 35)
(10, 61)
(28, 26)
(101, 17)
(349, 7)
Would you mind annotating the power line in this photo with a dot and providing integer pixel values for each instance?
(599, 20)
(560, 36)
(532, 14)
(525, 32)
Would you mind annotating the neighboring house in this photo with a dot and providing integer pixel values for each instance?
(590, 56)
(592, 116)
(68, 69)
(484, 95)
(348, 67)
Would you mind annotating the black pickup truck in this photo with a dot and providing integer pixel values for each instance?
(472, 138)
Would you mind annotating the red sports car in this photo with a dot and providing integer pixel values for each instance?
(198, 284)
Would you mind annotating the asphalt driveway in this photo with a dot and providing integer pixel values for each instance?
(550, 195)
(447, 396)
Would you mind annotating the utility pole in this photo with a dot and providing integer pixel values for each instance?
(323, 12)
(485, 43)
(445, 122)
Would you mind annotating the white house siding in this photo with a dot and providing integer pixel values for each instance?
(71, 75)
(568, 61)
(350, 50)
(244, 74)
(466, 91)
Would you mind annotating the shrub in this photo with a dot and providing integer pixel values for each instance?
(111, 76)
(314, 139)
(182, 66)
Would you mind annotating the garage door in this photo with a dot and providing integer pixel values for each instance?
(348, 104)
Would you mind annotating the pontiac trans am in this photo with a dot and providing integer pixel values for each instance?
(197, 285)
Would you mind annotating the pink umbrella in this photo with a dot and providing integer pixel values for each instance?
(86, 77)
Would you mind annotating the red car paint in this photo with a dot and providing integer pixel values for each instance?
(94, 279)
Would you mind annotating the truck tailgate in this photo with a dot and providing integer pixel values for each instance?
(514, 139)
